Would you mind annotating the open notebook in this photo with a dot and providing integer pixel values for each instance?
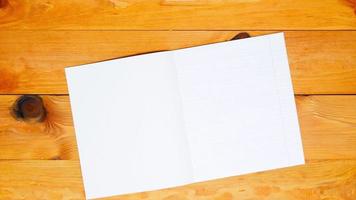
(167, 119)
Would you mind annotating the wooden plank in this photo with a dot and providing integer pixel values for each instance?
(53, 179)
(322, 63)
(33, 61)
(327, 124)
(52, 139)
(178, 15)
(62, 180)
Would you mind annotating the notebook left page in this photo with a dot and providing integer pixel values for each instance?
(130, 111)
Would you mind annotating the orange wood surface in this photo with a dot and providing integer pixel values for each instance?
(327, 123)
(61, 179)
(322, 62)
(178, 15)
(39, 38)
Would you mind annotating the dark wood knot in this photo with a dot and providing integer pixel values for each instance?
(29, 108)
(241, 35)
(3, 3)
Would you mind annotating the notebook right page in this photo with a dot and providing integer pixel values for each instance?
(238, 107)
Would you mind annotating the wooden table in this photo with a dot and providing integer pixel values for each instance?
(38, 38)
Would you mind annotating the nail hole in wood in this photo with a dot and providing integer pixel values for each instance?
(241, 35)
(29, 108)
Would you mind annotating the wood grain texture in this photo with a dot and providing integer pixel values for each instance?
(178, 15)
(33, 61)
(38, 38)
(51, 139)
(53, 179)
(62, 180)
(328, 125)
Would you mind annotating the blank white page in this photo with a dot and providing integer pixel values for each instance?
(238, 106)
(166, 119)
(128, 123)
